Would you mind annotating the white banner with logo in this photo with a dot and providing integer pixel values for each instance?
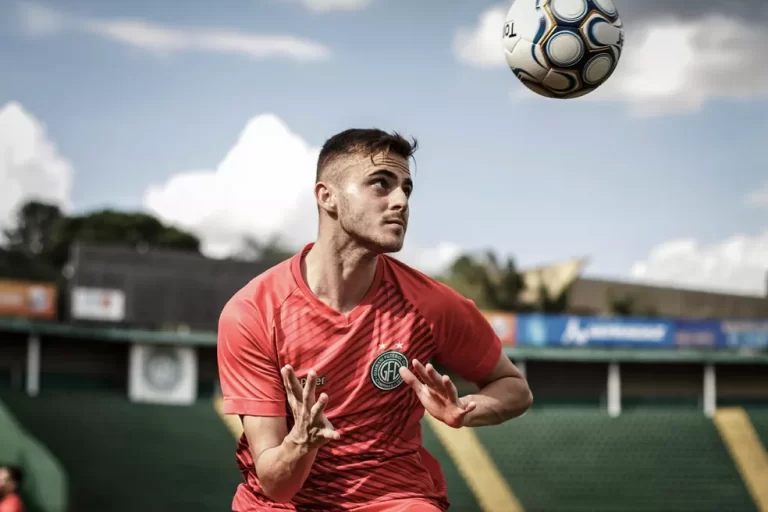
(163, 374)
(98, 304)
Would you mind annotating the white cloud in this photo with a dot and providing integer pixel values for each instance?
(481, 46)
(326, 6)
(39, 20)
(263, 187)
(335, 5)
(737, 264)
(430, 260)
(668, 64)
(30, 165)
(674, 66)
(758, 197)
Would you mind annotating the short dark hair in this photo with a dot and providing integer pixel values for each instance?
(17, 474)
(364, 141)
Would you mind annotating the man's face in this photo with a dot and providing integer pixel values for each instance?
(7, 485)
(373, 200)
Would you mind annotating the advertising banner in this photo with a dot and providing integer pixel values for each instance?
(98, 304)
(745, 334)
(28, 299)
(543, 330)
(698, 334)
(504, 325)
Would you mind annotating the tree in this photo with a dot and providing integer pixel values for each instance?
(269, 252)
(42, 231)
(551, 304)
(36, 229)
(627, 305)
(491, 284)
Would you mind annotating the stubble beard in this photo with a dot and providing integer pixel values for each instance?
(367, 234)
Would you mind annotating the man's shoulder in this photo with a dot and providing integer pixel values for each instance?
(11, 503)
(426, 292)
(265, 292)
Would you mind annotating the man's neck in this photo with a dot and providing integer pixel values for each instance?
(339, 272)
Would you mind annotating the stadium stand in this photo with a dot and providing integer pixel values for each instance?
(459, 494)
(759, 417)
(122, 456)
(646, 460)
(45, 486)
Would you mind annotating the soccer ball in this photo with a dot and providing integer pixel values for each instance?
(563, 48)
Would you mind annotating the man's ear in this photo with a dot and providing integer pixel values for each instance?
(325, 195)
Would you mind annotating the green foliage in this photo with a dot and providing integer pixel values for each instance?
(490, 283)
(551, 304)
(627, 305)
(494, 284)
(43, 235)
(21, 266)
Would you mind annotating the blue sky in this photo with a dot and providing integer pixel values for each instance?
(650, 185)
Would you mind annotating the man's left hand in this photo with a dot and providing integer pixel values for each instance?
(437, 394)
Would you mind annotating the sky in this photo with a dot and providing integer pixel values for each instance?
(210, 115)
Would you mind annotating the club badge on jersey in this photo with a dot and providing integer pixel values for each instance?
(385, 370)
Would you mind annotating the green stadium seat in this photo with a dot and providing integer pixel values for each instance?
(123, 457)
(758, 415)
(45, 486)
(645, 460)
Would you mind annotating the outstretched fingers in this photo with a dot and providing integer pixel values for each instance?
(308, 394)
(432, 378)
(450, 388)
(410, 379)
(291, 382)
(330, 434)
(436, 380)
(318, 408)
(314, 415)
(421, 372)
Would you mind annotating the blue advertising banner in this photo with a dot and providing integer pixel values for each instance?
(545, 330)
(698, 334)
(744, 334)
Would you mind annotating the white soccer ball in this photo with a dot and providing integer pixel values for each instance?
(563, 48)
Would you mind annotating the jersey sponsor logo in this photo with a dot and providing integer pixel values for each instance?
(319, 381)
(385, 370)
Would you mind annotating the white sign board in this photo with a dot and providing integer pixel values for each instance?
(163, 375)
(98, 304)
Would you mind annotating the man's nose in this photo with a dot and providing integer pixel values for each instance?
(398, 199)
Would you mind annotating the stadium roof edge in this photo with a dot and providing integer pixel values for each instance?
(107, 334)
(123, 335)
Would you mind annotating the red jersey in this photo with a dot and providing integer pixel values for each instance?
(276, 320)
(11, 503)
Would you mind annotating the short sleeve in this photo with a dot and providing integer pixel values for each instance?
(250, 378)
(466, 342)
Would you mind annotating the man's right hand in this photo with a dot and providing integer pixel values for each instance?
(311, 428)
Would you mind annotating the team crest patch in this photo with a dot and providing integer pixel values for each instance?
(385, 370)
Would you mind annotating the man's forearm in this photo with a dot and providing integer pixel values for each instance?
(499, 401)
(283, 469)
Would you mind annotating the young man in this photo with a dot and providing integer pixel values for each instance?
(343, 318)
(11, 478)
